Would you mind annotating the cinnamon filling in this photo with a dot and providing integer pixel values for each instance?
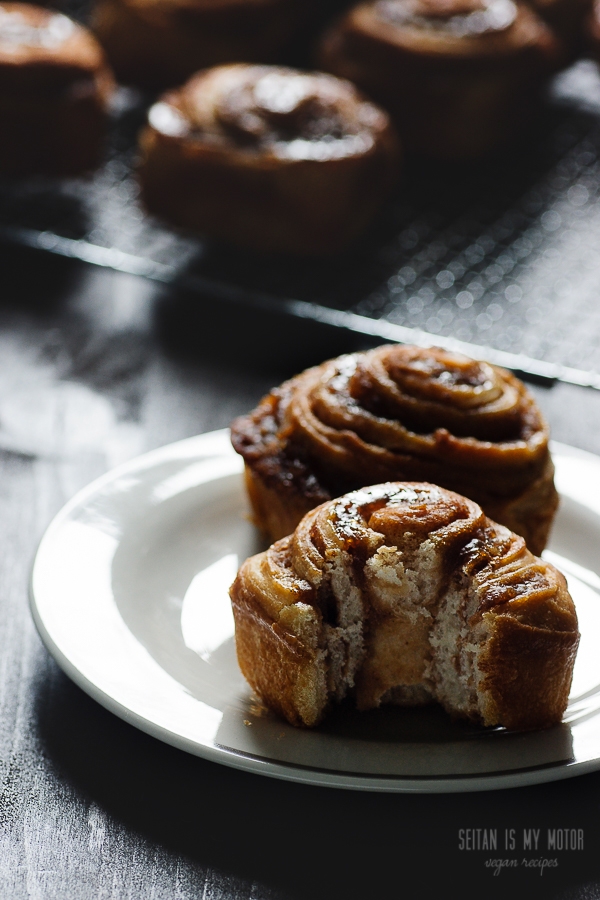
(459, 18)
(19, 30)
(258, 109)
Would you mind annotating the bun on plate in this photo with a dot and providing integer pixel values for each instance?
(400, 413)
(406, 593)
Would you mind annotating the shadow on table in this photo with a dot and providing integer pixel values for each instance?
(34, 283)
(197, 327)
(300, 841)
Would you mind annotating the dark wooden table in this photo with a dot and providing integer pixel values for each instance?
(96, 367)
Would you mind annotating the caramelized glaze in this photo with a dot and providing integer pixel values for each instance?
(461, 78)
(404, 412)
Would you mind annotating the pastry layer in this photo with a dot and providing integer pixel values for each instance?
(400, 412)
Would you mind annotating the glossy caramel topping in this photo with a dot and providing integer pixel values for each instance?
(360, 522)
(506, 575)
(403, 515)
(372, 409)
(284, 112)
(459, 18)
(403, 412)
(23, 28)
(31, 36)
(439, 389)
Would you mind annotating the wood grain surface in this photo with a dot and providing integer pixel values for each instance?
(95, 368)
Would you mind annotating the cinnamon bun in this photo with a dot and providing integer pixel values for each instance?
(406, 593)
(399, 412)
(460, 77)
(160, 43)
(55, 86)
(268, 157)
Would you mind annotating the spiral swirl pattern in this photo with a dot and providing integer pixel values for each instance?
(459, 77)
(286, 113)
(401, 412)
(405, 592)
(269, 157)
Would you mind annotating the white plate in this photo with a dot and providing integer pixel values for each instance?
(129, 593)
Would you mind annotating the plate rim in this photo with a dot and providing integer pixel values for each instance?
(253, 763)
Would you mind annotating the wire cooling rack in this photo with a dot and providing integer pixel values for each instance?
(501, 260)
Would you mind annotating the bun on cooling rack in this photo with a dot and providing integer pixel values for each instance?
(160, 43)
(459, 77)
(271, 158)
(396, 413)
(54, 90)
(406, 593)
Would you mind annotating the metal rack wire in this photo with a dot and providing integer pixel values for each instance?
(500, 260)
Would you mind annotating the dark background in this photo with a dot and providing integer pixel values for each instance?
(96, 367)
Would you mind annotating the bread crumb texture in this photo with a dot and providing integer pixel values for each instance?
(406, 593)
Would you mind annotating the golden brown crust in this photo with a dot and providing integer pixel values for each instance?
(459, 77)
(283, 670)
(268, 157)
(274, 514)
(400, 412)
(526, 662)
(532, 512)
(405, 590)
(160, 43)
(54, 91)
